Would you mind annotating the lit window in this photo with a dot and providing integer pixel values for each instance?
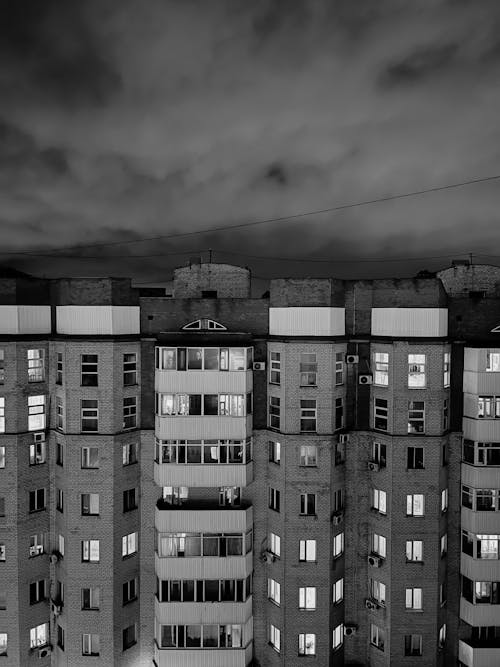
(91, 598)
(415, 504)
(414, 599)
(338, 636)
(60, 543)
(274, 452)
(307, 550)
(308, 370)
(492, 362)
(129, 369)
(89, 365)
(413, 644)
(36, 413)
(379, 545)
(91, 644)
(380, 414)
(307, 597)
(2, 414)
(442, 636)
(381, 375)
(379, 501)
(90, 551)
(338, 591)
(416, 417)
(338, 545)
(307, 644)
(377, 637)
(414, 550)
(416, 371)
(129, 544)
(308, 455)
(339, 368)
(446, 369)
(39, 635)
(129, 453)
(444, 500)
(37, 545)
(90, 504)
(90, 457)
(275, 638)
(377, 591)
(3, 643)
(36, 365)
(274, 591)
(275, 367)
(275, 544)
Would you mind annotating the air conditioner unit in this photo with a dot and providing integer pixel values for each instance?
(259, 365)
(44, 652)
(54, 557)
(350, 630)
(370, 604)
(337, 518)
(343, 438)
(39, 437)
(268, 557)
(373, 466)
(352, 359)
(36, 549)
(375, 561)
(365, 379)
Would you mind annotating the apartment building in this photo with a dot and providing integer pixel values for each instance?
(220, 480)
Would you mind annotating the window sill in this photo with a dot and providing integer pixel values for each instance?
(89, 514)
(274, 648)
(90, 608)
(417, 562)
(125, 648)
(92, 562)
(415, 611)
(127, 556)
(380, 648)
(276, 604)
(314, 516)
(130, 509)
(42, 509)
(38, 463)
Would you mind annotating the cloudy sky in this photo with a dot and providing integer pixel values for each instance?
(126, 119)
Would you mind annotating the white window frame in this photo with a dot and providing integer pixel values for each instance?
(36, 365)
(379, 501)
(415, 504)
(379, 545)
(39, 635)
(274, 591)
(417, 371)
(36, 413)
(415, 551)
(338, 545)
(380, 412)
(308, 415)
(274, 412)
(447, 369)
(308, 456)
(275, 637)
(275, 544)
(378, 592)
(381, 366)
(338, 591)
(307, 643)
(339, 368)
(90, 551)
(444, 500)
(492, 362)
(308, 369)
(337, 636)
(307, 598)
(129, 544)
(91, 644)
(307, 551)
(89, 413)
(274, 367)
(413, 599)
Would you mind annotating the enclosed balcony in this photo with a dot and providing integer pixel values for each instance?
(203, 516)
(479, 654)
(207, 657)
(172, 613)
(202, 426)
(204, 381)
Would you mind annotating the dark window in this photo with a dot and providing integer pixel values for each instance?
(415, 458)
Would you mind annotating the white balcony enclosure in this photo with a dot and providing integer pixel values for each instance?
(313, 321)
(203, 475)
(477, 656)
(205, 613)
(203, 382)
(204, 567)
(410, 322)
(25, 320)
(210, 657)
(98, 320)
(203, 427)
(215, 520)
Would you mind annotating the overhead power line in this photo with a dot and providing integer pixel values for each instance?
(253, 223)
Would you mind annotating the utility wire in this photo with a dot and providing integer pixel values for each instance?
(294, 216)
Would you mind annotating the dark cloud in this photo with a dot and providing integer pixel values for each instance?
(422, 63)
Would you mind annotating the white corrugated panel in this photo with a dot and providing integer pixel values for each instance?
(203, 520)
(483, 523)
(478, 614)
(227, 657)
(480, 569)
(314, 321)
(204, 567)
(98, 320)
(482, 477)
(204, 613)
(481, 430)
(204, 382)
(473, 358)
(409, 322)
(203, 475)
(478, 656)
(203, 427)
(24, 319)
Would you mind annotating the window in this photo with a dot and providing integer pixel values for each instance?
(59, 453)
(307, 415)
(91, 644)
(129, 500)
(89, 364)
(129, 544)
(338, 636)
(39, 635)
(37, 591)
(488, 407)
(36, 365)
(381, 412)
(275, 367)
(339, 368)
(413, 644)
(307, 550)
(442, 636)
(274, 499)
(2, 505)
(339, 413)
(3, 643)
(379, 454)
(90, 551)
(90, 457)
(60, 542)
(129, 453)
(175, 495)
(379, 501)
(274, 412)
(59, 413)
(37, 500)
(414, 551)
(130, 412)
(3, 601)
(60, 637)
(379, 545)
(416, 371)
(444, 500)
(416, 417)
(492, 362)
(230, 496)
(2, 553)
(59, 368)
(129, 636)
(338, 545)
(275, 637)
(36, 413)
(129, 369)
(130, 589)
(90, 504)
(60, 500)
(377, 592)
(308, 369)
(414, 599)
(446, 414)
(2, 414)
(381, 363)
(308, 504)
(38, 453)
(308, 455)
(2, 366)
(59, 591)
(415, 458)
(37, 545)
(377, 637)
(415, 504)
(274, 452)
(307, 644)
(442, 595)
(91, 598)
(89, 416)
(338, 591)
(307, 598)
(274, 591)
(446, 369)
(275, 544)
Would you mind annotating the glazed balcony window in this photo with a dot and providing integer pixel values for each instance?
(203, 451)
(229, 405)
(186, 545)
(204, 358)
(488, 407)
(198, 636)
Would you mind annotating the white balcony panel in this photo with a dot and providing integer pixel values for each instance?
(477, 657)
(479, 614)
(25, 320)
(480, 569)
(204, 382)
(481, 477)
(314, 321)
(484, 523)
(184, 613)
(208, 657)
(196, 428)
(204, 567)
(98, 320)
(481, 430)
(481, 384)
(408, 322)
(204, 520)
(204, 475)
(475, 358)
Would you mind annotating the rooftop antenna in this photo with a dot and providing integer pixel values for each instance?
(210, 255)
